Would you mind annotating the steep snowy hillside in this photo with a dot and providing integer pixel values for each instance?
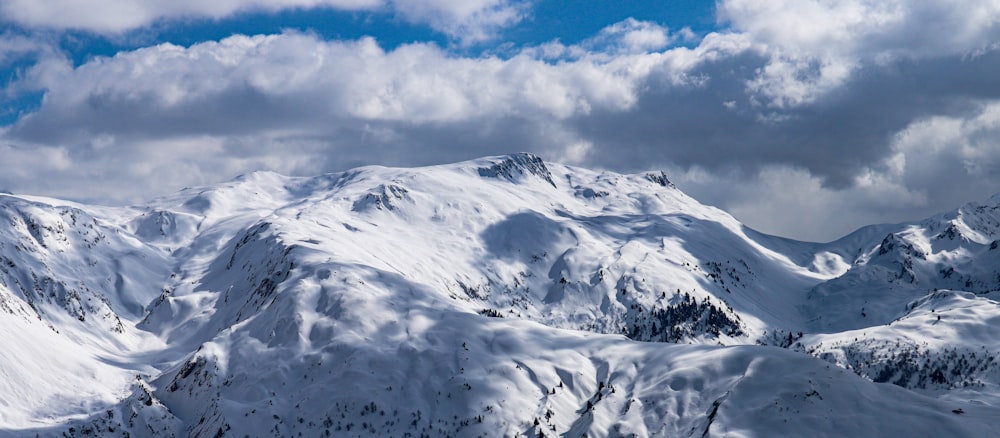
(498, 297)
(71, 287)
(917, 306)
(955, 250)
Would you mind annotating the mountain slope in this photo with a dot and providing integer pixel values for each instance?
(495, 297)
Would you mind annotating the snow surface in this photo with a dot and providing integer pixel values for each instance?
(502, 296)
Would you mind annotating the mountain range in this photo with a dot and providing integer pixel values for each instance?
(504, 296)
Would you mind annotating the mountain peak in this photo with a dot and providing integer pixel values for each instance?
(514, 166)
(661, 179)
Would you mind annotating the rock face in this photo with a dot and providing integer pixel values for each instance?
(500, 297)
(515, 166)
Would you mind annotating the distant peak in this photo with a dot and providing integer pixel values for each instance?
(383, 197)
(661, 179)
(258, 175)
(950, 232)
(512, 166)
(893, 243)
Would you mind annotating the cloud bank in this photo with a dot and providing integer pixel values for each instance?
(467, 20)
(804, 118)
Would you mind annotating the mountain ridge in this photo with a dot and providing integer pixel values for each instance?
(381, 298)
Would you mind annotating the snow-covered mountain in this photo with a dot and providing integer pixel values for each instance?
(505, 296)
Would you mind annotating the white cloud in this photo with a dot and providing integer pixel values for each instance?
(465, 20)
(938, 163)
(114, 16)
(627, 37)
(632, 36)
(13, 47)
(288, 102)
(469, 21)
(815, 46)
(123, 171)
(838, 113)
(964, 152)
(795, 81)
(867, 29)
(26, 165)
(790, 201)
(415, 83)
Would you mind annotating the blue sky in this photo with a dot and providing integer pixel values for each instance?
(804, 118)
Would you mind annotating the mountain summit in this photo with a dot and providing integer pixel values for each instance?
(504, 296)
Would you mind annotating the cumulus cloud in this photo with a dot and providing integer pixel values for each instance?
(875, 30)
(14, 46)
(104, 170)
(950, 157)
(114, 16)
(842, 112)
(631, 36)
(937, 164)
(790, 201)
(466, 20)
(816, 46)
(242, 84)
(296, 96)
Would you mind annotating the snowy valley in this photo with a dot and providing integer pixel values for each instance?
(505, 296)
